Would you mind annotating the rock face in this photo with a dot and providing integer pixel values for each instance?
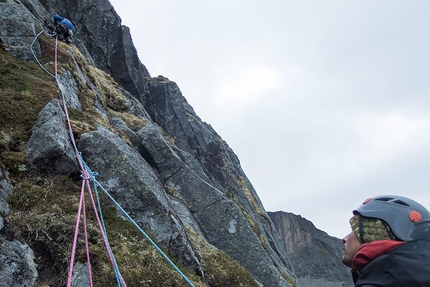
(169, 170)
(5, 190)
(17, 29)
(315, 255)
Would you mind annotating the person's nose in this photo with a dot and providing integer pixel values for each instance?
(345, 238)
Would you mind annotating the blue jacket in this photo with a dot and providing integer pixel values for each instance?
(64, 21)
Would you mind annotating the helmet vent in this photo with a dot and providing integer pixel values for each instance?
(392, 199)
(384, 198)
(401, 202)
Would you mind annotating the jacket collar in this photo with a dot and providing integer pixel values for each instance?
(369, 251)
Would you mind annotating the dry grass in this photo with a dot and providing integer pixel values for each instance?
(242, 183)
(133, 122)
(170, 140)
(220, 269)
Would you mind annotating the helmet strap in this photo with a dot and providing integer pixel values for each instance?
(360, 228)
(390, 233)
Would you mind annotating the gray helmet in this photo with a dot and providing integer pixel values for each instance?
(408, 219)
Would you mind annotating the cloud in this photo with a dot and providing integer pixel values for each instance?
(245, 86)
(385, 134)
(325, 103)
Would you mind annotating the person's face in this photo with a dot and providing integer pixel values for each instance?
(350, 248)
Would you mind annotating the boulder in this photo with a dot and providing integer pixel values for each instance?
(17, 267)
(80, 276)
(50, 149)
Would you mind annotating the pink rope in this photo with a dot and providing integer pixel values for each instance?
(82, 199)
(55, 55)
(85, 181)
(87, 249)
(65, 107)
(75, 237)
(101, 230)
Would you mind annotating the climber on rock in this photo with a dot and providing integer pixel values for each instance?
(389, 245)
(64, 28)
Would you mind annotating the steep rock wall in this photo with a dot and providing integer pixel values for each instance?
(171, 171)
(315, 255)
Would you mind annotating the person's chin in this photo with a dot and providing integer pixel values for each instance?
(346, 262)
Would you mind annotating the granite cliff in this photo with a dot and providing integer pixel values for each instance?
(169, 170)
(313, 253)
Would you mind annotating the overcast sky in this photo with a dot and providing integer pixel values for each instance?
(326, 103)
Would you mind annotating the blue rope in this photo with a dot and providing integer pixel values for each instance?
(115, 264)
(138, 227)
(32, 51)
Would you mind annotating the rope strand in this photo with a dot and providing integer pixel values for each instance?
(87, 248)
(101, 229)
(117, 273)
(32, 51)
(75, 237)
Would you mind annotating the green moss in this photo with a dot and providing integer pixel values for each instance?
(24, 91)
